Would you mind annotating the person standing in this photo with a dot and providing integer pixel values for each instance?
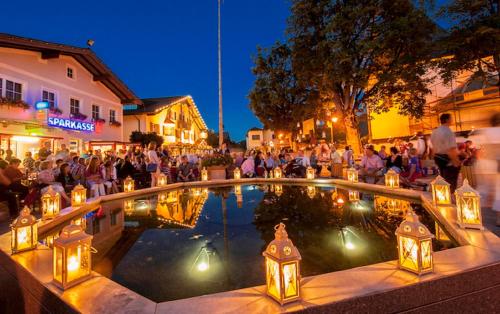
(348, 157)
(153, 165)
(336, 170)
(445, 151)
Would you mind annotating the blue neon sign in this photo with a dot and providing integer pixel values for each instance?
(39, 105)
(71, 124)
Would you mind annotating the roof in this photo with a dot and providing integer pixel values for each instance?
(152, 105)
(85, 56)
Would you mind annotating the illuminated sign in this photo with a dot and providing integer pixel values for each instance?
(39, 105)
(71, 124)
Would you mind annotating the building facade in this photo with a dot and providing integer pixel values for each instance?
(258, 138)
(176, 119)
(57, 93)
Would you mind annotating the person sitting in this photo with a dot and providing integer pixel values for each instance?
(57, 169)
(65, 178)
(248, 167)
(259, 164)
(381, 153)
(7, 195)
(15, 175)
(28, 162)
(269, 162)
(414, 169)
(371, 165)
(126, 169)
(78, 170)
(185, 170)
(394, 161)
(165, 167)
(314, 162)
(94, 178)
(108, 172)
(46, 178)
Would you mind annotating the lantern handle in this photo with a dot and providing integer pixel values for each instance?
(93, 250)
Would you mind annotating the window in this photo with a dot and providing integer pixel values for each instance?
(49, 97)
(154, 127)
(114, 217)
(95, 112)
(70, 72)
(1, 87)
(74, 106)
(256, 137)
(13, 90)
(112, 115)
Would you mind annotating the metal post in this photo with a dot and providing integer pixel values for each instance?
(221, 124)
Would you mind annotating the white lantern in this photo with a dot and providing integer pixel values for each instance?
(162, 180)
(237, 174)
(282, 260)
(78, 196)
(414, 245)
(468, 207)
(128, 184)
(51, 204)
(277, 172)
(204, 174)
(392, 179)
(440, 191)
(352, 175)
(310, 172)
(24, 232)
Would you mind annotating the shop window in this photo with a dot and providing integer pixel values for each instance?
(112, 115)
(13, 90)
(70, 72)
(74, 106)
(49, 97)
(95, 112)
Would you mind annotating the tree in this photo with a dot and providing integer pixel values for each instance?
(473, 38)
(276, 98)
(362, 55)
(145, 138)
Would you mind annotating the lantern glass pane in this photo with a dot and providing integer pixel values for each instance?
(58, 264)
(469, 210)
(426, 252)
(290, 280)
(24, 238)
(408, 253)
(273, 278)
(77, 265)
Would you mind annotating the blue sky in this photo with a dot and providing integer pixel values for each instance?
(164, 47)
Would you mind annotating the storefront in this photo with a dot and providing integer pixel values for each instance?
(20, 144)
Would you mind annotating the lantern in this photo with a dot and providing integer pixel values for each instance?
(414, 245)
(392, 179)
(128, 207)
(282, 261)
(204, 174)
(237, 174)
(278, 189)
(128, 184)
(82, 222)
(440, 191)
(162, 180)
(162, 197)
(440, 234)
(468, 207)
(311, 191)
(72, 260)
(353, 195)
(78, 196)
(310, 173)
(24, 232)
(277, 172)
(51, 204)
(352, 175)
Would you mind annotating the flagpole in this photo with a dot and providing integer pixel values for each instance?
(221, 124)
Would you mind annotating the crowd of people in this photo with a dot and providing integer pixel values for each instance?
(104, 172)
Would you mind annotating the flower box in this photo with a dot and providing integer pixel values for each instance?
(115, 123)
(78, 116)
(14, 103)
(55, 111)
(99, 120)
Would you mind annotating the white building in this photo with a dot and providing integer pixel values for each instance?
(57, 93)
(258, 138)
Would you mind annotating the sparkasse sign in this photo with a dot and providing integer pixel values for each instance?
(71, 124)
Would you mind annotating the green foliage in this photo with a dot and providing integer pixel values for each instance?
(145, 138)
(216, 160)
(474, 36)
(277, 98)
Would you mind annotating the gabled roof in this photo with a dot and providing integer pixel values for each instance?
(152, 106)
(85, 56)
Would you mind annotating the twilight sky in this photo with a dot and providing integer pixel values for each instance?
(164, 47)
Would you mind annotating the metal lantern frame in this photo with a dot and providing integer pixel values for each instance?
(468, 203)
(353, 195)
(392, 179)
(311, 191)
(282, 263)
(51, 204)
(278, 189)
(204, 174)
(237, 173)
(414, 240)
(128, 184)
(72, 260)
(278, 173)
(161, 180)
(24, 232)
(440, 191)
(78, 195)
(310, 173)
(352, 175)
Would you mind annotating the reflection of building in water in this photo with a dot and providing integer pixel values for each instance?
(390, 205)
(181, 207)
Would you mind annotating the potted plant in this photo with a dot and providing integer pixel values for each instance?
(216, 165)
(114, 123)
(14, 103)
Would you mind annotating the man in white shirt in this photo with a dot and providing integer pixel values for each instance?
(302, 159)
(371, 165)
(445, 151)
